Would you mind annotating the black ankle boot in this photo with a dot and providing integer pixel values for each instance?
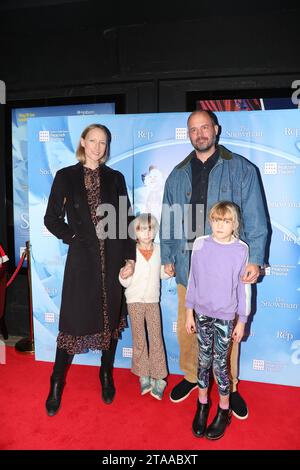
(108, 387)
(217, 428)
(200, 419)
(55, 394)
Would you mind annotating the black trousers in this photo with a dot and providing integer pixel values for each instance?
(63, 360)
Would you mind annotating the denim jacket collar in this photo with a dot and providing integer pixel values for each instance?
(224, 154)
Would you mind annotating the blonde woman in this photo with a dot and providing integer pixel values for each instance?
(92, 313)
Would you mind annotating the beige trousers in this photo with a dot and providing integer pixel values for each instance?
(188, 347)
(153, 362)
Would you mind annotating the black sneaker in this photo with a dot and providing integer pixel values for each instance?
(182, 390)
(238, 406)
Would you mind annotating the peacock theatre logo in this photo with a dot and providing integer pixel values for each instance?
(2, 92)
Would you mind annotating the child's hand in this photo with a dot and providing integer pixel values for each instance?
(190, 322)
(128, 269)
(169, 269)
(238, 332)
(122, 274)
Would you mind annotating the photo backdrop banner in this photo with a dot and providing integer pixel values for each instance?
(19, 119)
(145, 148)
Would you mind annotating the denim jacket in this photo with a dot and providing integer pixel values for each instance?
(233, 178)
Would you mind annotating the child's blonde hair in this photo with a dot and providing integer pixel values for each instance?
(146, 220)
(220, 209)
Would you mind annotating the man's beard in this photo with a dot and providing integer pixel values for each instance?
(205, 146)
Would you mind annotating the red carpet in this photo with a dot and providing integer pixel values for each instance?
(132, 421)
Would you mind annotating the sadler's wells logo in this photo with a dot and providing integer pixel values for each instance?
(274, 168)
(49, 317)
(270, 168)
(44, 136)
(53, 136)
(258, 364)
(127, 352)
(181, 133)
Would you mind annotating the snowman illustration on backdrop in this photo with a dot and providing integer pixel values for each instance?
(154, 183)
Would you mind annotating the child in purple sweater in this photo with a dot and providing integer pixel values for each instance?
(217, 294)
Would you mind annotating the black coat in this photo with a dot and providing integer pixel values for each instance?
(81, 306)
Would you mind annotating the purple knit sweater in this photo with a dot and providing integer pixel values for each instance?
(215, 288)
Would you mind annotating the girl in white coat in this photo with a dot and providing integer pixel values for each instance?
(142, 291)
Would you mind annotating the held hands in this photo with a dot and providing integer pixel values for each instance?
(169, 269)
(251, 274)
(190, 322)
(128, 269)
(238, 332)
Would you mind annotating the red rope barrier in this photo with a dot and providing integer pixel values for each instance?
(17, 269)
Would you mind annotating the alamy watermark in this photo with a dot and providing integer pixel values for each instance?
(2, 92)
(176, 222)
(296, 94)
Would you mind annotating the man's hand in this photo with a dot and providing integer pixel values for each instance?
(251, 274)
(169, 269)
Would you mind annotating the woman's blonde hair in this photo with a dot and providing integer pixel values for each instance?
(146, 220)
(80, 152)
(220, 209)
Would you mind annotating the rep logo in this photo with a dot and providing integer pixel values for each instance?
(2, 92)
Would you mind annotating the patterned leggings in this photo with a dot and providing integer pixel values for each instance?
(214, 338)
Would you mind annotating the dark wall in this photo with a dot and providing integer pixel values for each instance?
(152, 55)
(88, 47)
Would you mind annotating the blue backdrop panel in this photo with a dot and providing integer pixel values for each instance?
(146, 148)
(52, 145)
(270, 140)
(20, 117)
(160, 142)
